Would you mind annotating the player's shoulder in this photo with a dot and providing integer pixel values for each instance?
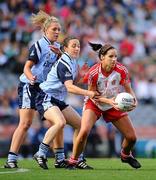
(94, 69)
(121, 68)
(65, 59)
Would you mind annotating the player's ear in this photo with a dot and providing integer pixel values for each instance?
(64, 48)
(101, 57)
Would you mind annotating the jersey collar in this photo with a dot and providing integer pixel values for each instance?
(46, 39)
(103, 72)
(65, 53)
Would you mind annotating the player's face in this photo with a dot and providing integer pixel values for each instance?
(73, 48)
(53, 31)
(109, 59)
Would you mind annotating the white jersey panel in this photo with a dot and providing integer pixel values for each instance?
(108, 87)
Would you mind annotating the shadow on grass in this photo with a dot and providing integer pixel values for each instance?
(125, 169)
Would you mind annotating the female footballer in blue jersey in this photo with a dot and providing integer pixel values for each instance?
(51, 100)
(39, 63)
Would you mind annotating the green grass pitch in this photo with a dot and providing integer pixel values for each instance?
(104, 169)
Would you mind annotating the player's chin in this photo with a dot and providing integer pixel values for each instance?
(55, 38)
(113, 66)
(75, 56)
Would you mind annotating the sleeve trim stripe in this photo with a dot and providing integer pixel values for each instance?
(38, 50)
(39, 46)
(65, 63)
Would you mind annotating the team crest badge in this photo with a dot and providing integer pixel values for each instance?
(114, 82)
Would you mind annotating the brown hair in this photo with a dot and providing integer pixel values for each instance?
(66, 41)
(102, 48)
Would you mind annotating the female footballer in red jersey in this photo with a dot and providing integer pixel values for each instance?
(108, 77)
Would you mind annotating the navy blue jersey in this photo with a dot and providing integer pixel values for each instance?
(64, 69)
(43, 59)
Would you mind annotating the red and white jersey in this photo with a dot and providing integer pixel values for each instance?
(108, 85)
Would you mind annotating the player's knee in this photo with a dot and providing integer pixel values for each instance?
(25, 126)
(61, 124)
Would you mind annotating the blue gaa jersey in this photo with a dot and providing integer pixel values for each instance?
(64, 69)
(43, 58)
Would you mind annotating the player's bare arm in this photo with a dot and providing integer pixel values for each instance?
(28, 73)
(129, 89)
(76, 90)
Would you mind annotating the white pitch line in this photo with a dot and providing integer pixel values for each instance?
(21, 170)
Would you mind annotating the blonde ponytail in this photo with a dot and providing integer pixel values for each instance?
(43, 20)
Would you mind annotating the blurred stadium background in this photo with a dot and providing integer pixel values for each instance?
(130, 25)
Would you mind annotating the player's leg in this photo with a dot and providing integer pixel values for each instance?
(74, 119)
(26, 116)
(26, 95)
(58, 148)
(55, 116)
(88, 120)
(125, 126)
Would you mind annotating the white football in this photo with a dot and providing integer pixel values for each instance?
(125, 101)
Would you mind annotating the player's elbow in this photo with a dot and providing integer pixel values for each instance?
(25, 70)
(70, 88)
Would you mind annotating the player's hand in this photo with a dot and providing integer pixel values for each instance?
(133, 106)
(55, 49)
(112, 102)
(92, 94)
(33, 79)
(83, 70)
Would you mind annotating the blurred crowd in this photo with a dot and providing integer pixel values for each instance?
(129, 25)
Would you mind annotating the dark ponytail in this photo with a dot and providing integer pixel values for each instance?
(103, 49)
(94, 46)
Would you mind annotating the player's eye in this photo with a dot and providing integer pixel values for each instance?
(111, 56)
(56, 29)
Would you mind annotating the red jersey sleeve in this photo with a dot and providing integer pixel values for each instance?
(125, 78)
(91, 77)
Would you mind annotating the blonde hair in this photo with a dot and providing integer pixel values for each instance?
(43, 20)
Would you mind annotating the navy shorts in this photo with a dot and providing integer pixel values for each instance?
(44, 101)
(27, 94)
